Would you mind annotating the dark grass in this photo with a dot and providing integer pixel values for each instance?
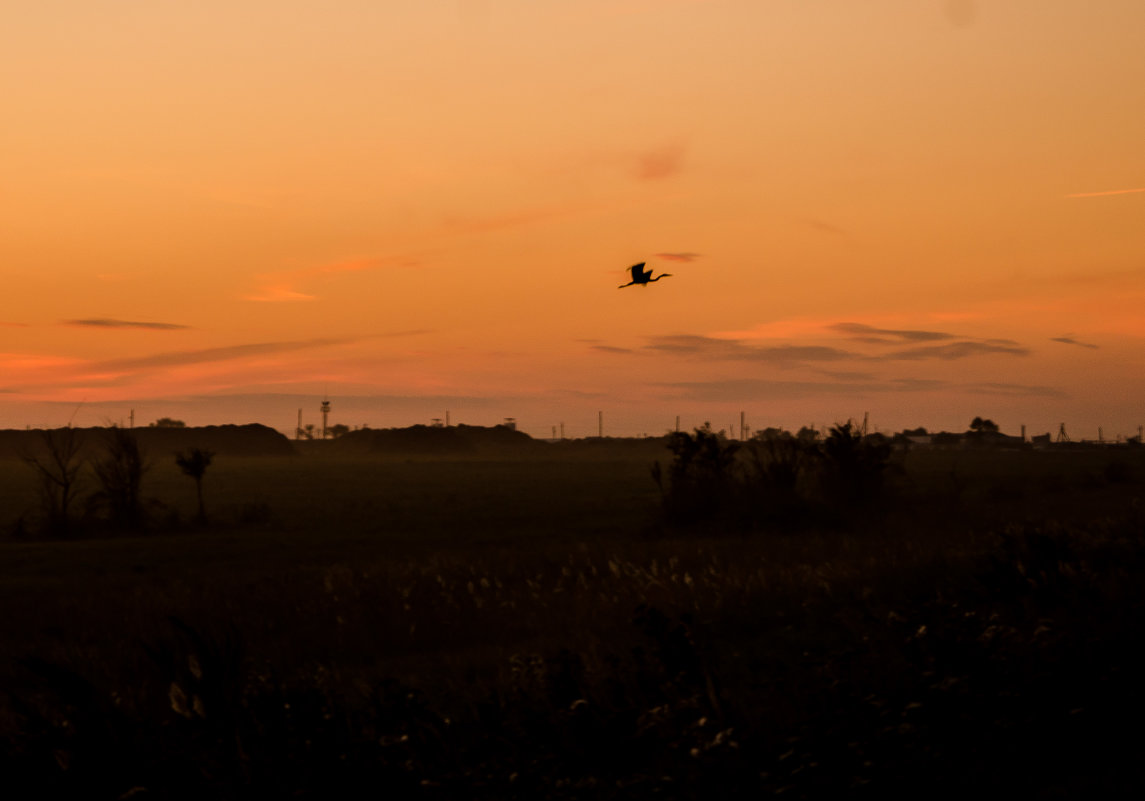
(527, 629)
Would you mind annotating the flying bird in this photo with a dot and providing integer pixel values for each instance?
(640, 276)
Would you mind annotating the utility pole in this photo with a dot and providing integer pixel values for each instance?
(742, 436)
(562, 430)
(298, 429)
(600, 425)
(131, 419)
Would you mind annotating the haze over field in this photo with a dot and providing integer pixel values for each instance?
(925, 210)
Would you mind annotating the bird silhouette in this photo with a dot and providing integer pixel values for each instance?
(642, 277)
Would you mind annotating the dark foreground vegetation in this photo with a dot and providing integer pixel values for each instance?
(811, 616)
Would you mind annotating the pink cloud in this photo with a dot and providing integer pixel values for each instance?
(1110, 192)
(663, 162)
(278, 293)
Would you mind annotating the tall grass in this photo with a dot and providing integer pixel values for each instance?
(559, 648)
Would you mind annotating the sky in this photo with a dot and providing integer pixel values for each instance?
(924, 210)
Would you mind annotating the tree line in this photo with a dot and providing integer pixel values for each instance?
(63, 478)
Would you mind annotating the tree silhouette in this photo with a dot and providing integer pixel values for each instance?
(194, 463)
(58, 470)
(120, 474)
(983, 425)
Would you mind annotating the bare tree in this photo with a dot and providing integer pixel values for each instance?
(194, 463)
(120, 475)
(58, 466)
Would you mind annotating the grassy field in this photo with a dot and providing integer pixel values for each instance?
(534, 628)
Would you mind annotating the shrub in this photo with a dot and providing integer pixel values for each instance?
(852, 467)
(701, 477)
(776, 481)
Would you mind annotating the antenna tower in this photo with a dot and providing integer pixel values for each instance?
(1062, 436)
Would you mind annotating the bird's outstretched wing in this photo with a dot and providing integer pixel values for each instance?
(638, 273)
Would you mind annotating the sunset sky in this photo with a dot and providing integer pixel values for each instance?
(926, 210)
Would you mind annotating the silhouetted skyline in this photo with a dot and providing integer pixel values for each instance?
(928, 211)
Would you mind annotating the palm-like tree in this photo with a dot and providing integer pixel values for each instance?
(194, 463)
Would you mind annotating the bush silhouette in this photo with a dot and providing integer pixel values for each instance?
(120, 474)
(853, 466)
(777, 480)
(702, 476)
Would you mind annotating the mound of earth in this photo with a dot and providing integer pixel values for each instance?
(435, 441)
(227, 440)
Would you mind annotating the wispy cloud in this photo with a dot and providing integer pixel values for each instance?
(744, 388)
(278, 293)
(732, 349)
(104, 322)
(1107, 193)
(285, 286)
(757, 389)
(512, 219)
(697, 346)
(848, 375)
(960, 13)
(1015, 390)
(207, 355)
(825, 227)
(659, 163)
(872, 335)
(956, 350)
(1072, 341)
(686, 256)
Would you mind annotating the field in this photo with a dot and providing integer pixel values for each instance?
(534, 627)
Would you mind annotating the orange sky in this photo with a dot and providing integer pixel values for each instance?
(924, 209)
